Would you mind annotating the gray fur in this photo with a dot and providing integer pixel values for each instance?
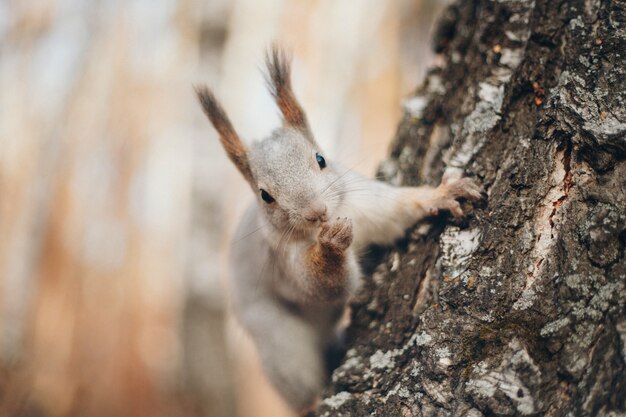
(276, 292)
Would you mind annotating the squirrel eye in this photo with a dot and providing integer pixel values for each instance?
(266, 197)
(320, 160)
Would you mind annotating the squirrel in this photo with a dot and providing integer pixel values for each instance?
(295, 262)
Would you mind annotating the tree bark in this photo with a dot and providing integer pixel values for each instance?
(520, 309)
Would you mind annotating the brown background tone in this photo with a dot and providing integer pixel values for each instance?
(116, 200)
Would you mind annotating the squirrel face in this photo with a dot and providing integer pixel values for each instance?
(296, 187)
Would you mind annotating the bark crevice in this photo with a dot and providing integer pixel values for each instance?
(519, 310)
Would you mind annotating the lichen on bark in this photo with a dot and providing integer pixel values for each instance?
(521, 308)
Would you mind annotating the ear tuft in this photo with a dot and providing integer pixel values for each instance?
(213, 110)
(234, 147)
(279, 70)
(279, 83)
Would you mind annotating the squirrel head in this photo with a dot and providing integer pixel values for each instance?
(296, 187)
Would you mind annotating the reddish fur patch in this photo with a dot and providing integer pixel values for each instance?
(279, 80)
(236, 150)
(328, 266)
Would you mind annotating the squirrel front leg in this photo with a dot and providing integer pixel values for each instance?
(382, 212)
(330, 268)
(444, 197)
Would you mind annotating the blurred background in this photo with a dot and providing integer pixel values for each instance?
(116, 200)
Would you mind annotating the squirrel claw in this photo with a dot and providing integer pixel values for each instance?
(450, 191)
(464, 187)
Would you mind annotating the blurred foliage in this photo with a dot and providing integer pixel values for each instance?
(112, 221)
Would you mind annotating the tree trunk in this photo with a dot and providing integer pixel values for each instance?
(519, 310)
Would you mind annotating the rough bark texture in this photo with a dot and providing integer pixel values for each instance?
(520, 310)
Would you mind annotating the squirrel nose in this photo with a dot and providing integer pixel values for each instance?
(316, 211)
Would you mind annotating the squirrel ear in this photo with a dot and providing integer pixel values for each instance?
(235, 148)
(279, 82)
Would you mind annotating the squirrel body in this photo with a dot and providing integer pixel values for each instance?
(295, 253)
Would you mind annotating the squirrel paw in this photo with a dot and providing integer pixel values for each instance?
(449, 192)
(464, 187)
(337, 234)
